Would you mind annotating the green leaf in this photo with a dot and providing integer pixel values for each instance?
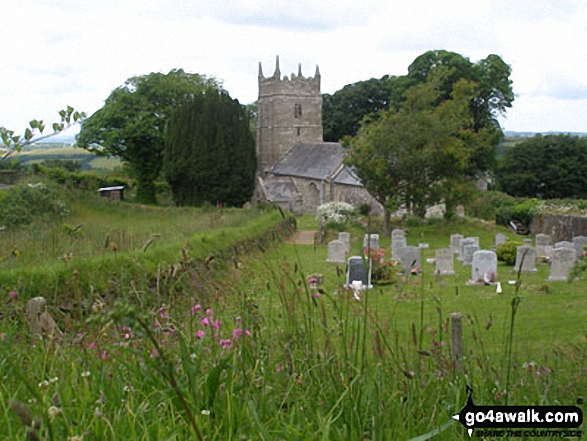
(62, 114)
(28, 135)
(57, 127)
(34, 124)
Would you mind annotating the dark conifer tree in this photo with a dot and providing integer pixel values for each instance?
(210, 152)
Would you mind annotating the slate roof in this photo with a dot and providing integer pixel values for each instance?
(280, 189)
(314, 161)
(346, 176)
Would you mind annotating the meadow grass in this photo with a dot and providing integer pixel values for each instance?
(242, 348)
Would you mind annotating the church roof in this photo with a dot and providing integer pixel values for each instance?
(280, 189)
(346, 176)
(314, 161)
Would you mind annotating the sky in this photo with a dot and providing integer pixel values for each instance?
(57, 53)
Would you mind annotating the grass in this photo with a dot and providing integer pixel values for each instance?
(288, 362)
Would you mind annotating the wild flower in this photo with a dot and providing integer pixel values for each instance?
(53, 412)
(316, 295)
(53, 380)
(44, 383)
(104, 355)
(248, 333)
(195, 308)
(216, 324)
(205, 321)
(12, 296)
(127, 332)
(205, 412)
(236, 333)
(209, 312)
(226, 344)
(200, 334)
(154, 353)
(162, 312)
(85, 374)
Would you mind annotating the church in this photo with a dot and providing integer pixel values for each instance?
(296, 169)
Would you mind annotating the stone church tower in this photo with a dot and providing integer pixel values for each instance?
(290, 111)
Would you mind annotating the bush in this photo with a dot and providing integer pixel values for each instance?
(28, 202)
(336, 213)
(487, 204)
(506, 252)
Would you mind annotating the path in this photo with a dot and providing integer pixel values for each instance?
(302, 237)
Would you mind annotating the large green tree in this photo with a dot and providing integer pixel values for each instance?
(210, 151)
(131, 124)
(417, 155)
(553, 166)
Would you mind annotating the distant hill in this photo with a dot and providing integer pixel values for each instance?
(510, 134)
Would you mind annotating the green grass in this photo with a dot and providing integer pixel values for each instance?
(317, 367)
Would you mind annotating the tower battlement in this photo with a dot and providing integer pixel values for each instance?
(290, 111)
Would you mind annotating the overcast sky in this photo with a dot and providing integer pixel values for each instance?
(75, 52)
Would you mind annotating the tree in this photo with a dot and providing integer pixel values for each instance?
(131, 124)
(547, 167)
(417, 156)
(210, 151)
(343, 111)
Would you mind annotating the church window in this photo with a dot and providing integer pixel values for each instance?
(298, 110)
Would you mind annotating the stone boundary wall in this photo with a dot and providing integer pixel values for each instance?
(559, 226)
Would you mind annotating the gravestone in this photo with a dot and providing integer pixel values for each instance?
(336, 251)
(468, 251)
(398, 240)
(444, 262)
(529, 264)
(579, 242)
(371, 241)
(543, 245)
(563, 260)
(499, 239)
(564, 244)
(484, 267)
(464, 242)
(356, 271)
(455, 239)
(409, 258)
(346, 239)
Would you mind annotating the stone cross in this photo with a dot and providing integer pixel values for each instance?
(563, 260)
(484, 267)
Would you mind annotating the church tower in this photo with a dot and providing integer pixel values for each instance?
(289, 112)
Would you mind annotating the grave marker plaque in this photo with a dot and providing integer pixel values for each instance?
(563, 260)
(528, 254)
(444, 262)
(484, 267)
(336, 251)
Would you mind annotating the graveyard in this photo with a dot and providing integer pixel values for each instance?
(226, 328)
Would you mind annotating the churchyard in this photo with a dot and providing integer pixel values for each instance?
(220, 328)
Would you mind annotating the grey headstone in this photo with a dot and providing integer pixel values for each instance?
(484, 267)
(409, 258)
(563, 260)
(529, 264)
(398, 233)
(396, 244)
(564, 244)
(468, 251)
(464, 242)
(579, 242)
(357, 271)
(454, 242)
(445, 262)
(543, 245)
(336, 251)
(527, 241)
(371, 241)
(499, 239)
(346, 239)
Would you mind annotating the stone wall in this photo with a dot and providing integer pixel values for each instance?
(559, 226)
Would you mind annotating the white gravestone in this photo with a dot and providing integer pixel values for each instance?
(454, 242)
(543, 245)
(528, 254)
(564, 244)
(346, 239)
(468, 251)
(371, 241)
(464, 242)
(484, 267)
(445, 262)
(397, 242)
(499, 239)
(563, 260)
(336, 251)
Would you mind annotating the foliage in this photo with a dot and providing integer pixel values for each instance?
(506, 252)
(336, 212)
(34, 133)
(545, 167)
(210, 152)
(25, 203)
(66, 164)
(486, 204)
(80, 180)
(343, 111)
(417, 156)
(132, 122)
(523, 210)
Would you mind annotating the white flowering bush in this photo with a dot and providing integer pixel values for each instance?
(336, 212)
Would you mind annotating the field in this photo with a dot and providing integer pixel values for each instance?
(189, 324)
(38, 153)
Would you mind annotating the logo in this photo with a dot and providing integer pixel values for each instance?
(489, 418)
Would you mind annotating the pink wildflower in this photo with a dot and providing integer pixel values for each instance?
(195, 308)
(248, 333)
(162, 313)
(12, 296)
(209, 312)
(154, 353)
(216, 325)
(200, 334)
(236, 333)
(104, 356)
(205, 321)
(92, 345)
(316, 295)
(239, 320)
(226, 344)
